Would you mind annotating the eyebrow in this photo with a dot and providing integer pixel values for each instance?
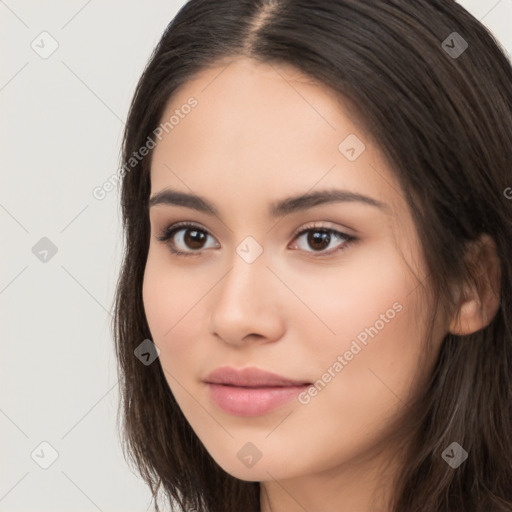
(277, 209)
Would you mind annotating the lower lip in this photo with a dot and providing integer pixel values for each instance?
(252, 401)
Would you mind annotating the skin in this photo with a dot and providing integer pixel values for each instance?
(260, 134)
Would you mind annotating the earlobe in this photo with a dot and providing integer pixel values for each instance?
(469, 316)
(479, 298)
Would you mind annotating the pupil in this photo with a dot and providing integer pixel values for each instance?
(319, 239)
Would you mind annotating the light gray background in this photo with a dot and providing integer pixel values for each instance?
(61, 124)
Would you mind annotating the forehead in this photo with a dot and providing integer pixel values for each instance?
(264, 128)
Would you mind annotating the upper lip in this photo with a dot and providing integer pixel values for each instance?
(250, 377)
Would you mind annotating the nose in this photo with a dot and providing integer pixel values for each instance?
(247, 305)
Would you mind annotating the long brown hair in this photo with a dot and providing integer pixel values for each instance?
(440, 110)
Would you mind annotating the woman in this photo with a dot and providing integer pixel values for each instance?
(314, 310)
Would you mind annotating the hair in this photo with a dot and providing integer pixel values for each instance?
(445, 126)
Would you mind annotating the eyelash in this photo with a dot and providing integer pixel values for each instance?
(170, 231)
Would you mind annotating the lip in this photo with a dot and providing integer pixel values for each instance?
(251, 391)
(250, 377)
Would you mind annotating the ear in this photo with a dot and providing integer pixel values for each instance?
(479, 296)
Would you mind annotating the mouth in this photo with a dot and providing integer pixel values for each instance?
(252, 401)
(250, 377)
(251, 391)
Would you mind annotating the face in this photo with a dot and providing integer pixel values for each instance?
(324, 292)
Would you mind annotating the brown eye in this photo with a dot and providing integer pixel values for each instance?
(317, 240)
(194, 238)
(186, 239)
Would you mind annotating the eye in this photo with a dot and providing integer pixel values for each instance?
(188, 239)
(185, 239)
(321, 238)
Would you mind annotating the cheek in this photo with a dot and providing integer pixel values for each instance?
(372, 317)
(343, 301)
(163, 298)
(167, 293)
(172, 303)
(158, 302)
(380, 361)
